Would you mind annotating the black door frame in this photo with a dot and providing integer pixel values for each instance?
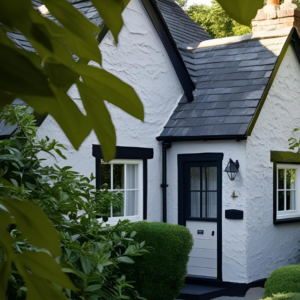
(217, 159)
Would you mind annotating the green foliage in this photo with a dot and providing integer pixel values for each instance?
(216, 22)
(160, 274)
(290, 296)
(283, 280)
(63, 51)
(58, 246)
(182, 3)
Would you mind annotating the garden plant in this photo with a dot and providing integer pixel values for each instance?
(91, 252)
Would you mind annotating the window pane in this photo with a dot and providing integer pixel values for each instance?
(131, 177)
(195, 178)
(281, 179)
(131, 203)
(209, 178)
(291, 200)
(290, 179)
(105, 176)
(209, 204)
(118, 208)
(118, 180)
(281, 200)
(195, 204)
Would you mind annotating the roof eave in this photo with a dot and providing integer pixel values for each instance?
(237, 137)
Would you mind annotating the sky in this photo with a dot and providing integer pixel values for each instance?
(190, 2)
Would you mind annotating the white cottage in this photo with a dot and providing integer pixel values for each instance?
(207, 103)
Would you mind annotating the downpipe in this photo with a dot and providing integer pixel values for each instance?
(165, 146)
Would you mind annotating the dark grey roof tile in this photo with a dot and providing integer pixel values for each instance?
(225, 129)
(236, 104)
(243, 129)
(217, 112)
(251, 103)
(171, 123)
(253, 95)
(239, 111)
(214, 120)
(222, 104)
(231, 119)
(206, 105)
(200, 130)
(244, 119)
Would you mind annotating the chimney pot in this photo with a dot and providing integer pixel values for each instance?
(273, 2)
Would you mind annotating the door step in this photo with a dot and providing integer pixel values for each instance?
(201, 292)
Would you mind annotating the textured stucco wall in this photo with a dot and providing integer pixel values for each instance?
(234, 232)
(140, 60)
(270, 246)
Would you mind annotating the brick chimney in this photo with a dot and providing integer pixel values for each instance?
(274, 16)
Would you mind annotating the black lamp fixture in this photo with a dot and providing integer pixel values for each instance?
(232, 169)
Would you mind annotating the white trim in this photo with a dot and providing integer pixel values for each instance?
(139, 216)
(286, 214)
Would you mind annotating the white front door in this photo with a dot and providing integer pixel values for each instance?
(201, 197)
(203, 257)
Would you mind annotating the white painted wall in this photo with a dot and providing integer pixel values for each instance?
(141, 60)
(271, 246)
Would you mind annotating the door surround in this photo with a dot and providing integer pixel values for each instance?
(202, 157)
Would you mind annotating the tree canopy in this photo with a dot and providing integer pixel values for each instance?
(215, 21)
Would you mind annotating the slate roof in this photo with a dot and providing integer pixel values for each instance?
(182, 28)
(231, 75)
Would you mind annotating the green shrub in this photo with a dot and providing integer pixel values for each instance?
(283, 280)
(160, 274)
(290, 296)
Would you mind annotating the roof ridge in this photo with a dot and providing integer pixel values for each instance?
(282, 32)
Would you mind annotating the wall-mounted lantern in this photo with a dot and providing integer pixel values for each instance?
(232, 169)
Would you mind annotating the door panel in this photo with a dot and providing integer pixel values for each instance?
(204, 252)
(209, 230)
(204, 262)
(203, 272)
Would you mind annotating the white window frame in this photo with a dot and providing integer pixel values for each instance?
(139, 216)
(288, 214)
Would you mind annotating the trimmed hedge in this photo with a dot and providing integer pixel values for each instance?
(160, 274)
(283, 280)
(291, 296)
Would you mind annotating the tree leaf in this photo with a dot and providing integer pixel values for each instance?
(34, 224)
(243, 11)
(77, 273)
(77, 25)
(20, 76)
(112, 89)
(93, 288)
(111, 13)
(43, 265)
(66, 113)
(39, 288)
(99, 119)
(125, 259)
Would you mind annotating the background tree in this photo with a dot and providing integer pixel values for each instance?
(216, 21)
(182, 3)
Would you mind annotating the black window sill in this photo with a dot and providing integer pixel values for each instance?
(283, 221)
